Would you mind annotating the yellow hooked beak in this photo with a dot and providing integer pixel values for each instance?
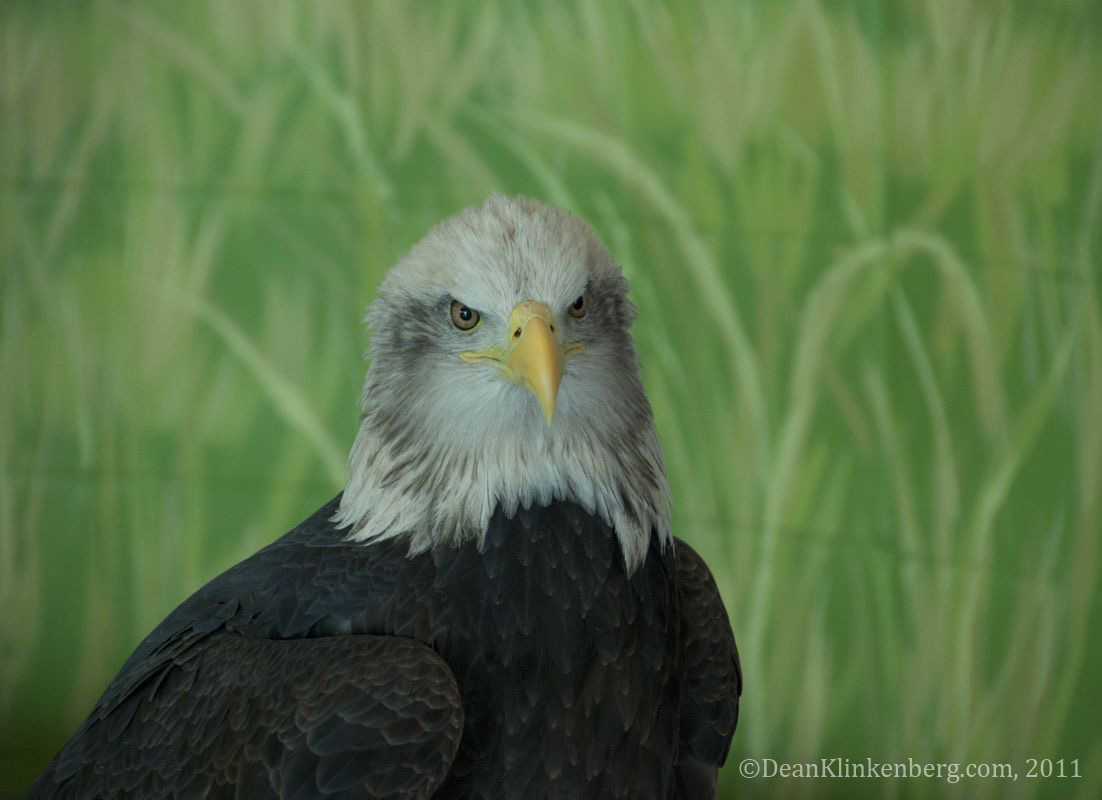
(533, 356)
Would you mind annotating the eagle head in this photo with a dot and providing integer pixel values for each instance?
(502, 374)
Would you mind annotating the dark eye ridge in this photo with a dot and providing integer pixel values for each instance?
(463, 317)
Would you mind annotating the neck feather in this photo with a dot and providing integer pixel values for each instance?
(440, 491)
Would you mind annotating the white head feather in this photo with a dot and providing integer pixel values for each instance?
(442, 443)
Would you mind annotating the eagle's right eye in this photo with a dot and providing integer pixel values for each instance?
(463, 317)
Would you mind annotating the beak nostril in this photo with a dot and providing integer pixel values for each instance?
(516, 333)
(552, 329)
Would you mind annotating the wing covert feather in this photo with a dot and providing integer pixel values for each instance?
(338, 716)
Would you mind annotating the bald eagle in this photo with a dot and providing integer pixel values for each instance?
(494, 607)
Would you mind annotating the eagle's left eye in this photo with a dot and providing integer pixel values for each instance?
(463, 317)
(579, 307)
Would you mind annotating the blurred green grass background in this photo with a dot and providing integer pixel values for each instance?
(863, 238)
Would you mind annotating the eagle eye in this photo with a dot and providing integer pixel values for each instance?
(463, 317)
(579, 307)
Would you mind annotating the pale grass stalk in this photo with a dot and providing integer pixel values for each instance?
(285, 398)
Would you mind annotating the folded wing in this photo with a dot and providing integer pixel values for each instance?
(711, 678)
(376, 716)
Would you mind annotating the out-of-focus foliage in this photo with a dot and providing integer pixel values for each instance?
(863, 238)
